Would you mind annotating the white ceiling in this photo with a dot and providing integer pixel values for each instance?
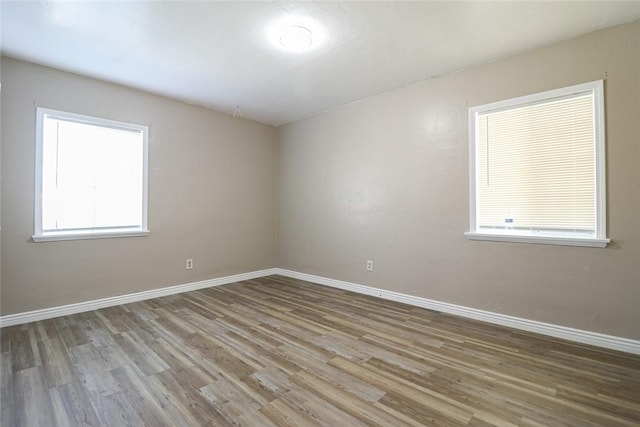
(219, 55)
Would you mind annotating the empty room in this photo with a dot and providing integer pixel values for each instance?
(320, 213)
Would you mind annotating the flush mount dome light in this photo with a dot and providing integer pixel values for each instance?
(296, 38)
(296, 33)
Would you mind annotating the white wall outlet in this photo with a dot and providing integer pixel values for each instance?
(189, 264)
(369, 265)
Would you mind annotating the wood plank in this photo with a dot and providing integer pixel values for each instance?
(55, 362)
(72, 406)
(32, 404)
(24, 348)
(91, 371)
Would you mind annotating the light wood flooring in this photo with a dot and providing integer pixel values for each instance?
(282, 352)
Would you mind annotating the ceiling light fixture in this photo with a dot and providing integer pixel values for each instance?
(296, 38)
(296, 33)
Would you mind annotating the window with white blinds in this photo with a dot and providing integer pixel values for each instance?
(537, 167)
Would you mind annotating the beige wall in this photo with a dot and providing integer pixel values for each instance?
(386, 179)
(383, 179)
(0, 188)
(211, 195)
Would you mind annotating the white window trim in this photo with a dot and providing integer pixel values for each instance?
(53, 236)
(599, 240)
(48, 236)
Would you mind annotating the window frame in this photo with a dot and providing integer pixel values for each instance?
(39, 234)
(598, 239)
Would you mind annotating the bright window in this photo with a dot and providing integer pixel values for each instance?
(91, 177)
(537, 168)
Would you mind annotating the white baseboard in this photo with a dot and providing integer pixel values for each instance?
(63, 310)
(571, 334)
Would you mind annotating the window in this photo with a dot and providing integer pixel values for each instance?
(537, 168)
(91, 177)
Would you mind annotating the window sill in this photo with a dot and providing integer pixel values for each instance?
(84, 235)
(540, 240)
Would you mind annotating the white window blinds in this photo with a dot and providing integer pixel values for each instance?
(536, 166)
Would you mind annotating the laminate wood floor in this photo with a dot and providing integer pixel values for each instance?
(282, 352)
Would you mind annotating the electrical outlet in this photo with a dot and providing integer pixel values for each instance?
(189, 264)
(369, 265)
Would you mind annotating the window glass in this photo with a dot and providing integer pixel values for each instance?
(92, 176)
